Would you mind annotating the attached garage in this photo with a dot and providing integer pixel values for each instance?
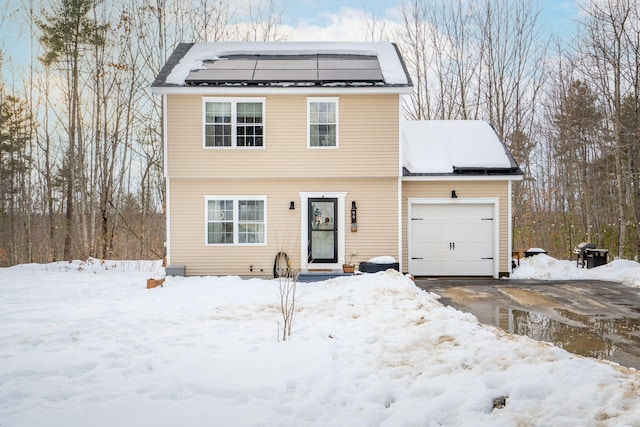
(452, 239)
(456, 199)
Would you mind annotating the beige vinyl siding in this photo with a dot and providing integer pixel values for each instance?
(368, 141)
(377, 233)
(470, 189)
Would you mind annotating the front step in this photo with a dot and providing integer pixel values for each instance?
(319, 276)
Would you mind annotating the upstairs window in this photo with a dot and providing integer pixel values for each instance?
(218, 124)
(233, 123)
(322, 122)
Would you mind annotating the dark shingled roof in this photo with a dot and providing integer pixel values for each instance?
(175, 57)
(258, 66)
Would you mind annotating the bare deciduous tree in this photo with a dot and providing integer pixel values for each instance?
(608, 54)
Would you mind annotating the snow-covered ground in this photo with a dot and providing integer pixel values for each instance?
(86, 344)
(544, 267)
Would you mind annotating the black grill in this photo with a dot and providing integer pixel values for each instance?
(581, 252)
(587, 253)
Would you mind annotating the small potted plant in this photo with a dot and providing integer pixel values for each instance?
(349, 267)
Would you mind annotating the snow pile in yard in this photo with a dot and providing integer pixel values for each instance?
(94, 265)
(436, 146)
(84, 349)
(544, 267)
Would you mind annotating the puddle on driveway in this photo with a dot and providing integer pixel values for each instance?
(617, 340)
(571, 321)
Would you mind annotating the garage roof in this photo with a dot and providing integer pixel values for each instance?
(442, 147)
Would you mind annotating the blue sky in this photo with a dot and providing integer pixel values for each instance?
(310, 20)
(557, 16)
(313, 10)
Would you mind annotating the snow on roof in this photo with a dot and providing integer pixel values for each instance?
(437, 146)
(390, 63)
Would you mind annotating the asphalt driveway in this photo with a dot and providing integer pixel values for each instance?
(590, 318)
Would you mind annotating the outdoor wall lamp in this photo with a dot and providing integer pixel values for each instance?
(453, 194)
(354, 217)
(292, 205)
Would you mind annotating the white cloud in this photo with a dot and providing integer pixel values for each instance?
(347, 24)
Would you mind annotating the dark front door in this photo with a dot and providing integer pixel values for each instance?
(323, 231)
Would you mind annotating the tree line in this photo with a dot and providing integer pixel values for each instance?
(81, 135)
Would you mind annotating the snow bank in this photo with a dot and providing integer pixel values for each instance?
(95, 265)
(544, 267)
(370, 350)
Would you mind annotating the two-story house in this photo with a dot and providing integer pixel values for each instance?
(300, 147)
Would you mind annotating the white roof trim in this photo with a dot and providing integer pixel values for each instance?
(464, 178)
(276, 90)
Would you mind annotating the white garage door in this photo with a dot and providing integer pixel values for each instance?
(451, 240)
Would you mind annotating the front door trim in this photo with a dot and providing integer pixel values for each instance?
(323, 223)
(304, 231)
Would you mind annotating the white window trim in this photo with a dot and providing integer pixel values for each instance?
(323, 99)
(234, 124)
(236, 221)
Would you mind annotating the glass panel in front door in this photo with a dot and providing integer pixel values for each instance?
(323, 231)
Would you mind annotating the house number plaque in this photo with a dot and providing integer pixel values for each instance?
(354, 219)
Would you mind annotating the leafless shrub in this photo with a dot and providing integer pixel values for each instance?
(287, 286)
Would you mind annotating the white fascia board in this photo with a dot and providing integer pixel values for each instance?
(264, 91)
(463, 178)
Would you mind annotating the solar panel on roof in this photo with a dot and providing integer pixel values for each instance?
(233, 64)
(203, 76)
(338, 64)
(285, 75)
(350, 75)
(345, 56)
(319, 69)
(286, 64)
(284, 57)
